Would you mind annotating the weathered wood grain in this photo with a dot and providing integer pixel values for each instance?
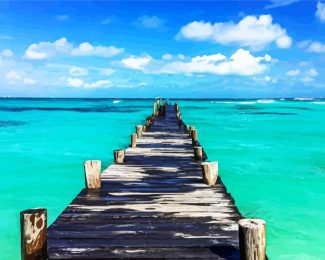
(155, 205)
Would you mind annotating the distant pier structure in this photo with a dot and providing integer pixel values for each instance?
(160, 199)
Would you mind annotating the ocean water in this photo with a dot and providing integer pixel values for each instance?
(271, 156)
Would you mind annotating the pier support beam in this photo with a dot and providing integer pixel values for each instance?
(139, 129)
(133, 140)
(92, 174)
(252, 239)
(210, 172)
(198, 153)
(119, 156)
(33, 227)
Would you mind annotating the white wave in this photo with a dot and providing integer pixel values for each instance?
(247, 102)
(265, 101)
(318, 102)
(117, 101)
(303, 98)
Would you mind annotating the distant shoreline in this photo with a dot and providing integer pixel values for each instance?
(169, 98)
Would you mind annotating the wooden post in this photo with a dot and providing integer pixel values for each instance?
(133, 140)
(139, 130)
(194, 136)
(119, 156)
(210, 172)
(252, 239)
(198, 153)
(33, 228)
(154, 108)
(92, 170)
(190, 131)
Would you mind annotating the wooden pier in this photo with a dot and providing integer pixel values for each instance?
(153, 203)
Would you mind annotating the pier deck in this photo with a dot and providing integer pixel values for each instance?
(155, 205)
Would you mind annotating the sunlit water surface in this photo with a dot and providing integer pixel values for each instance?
(271, 157)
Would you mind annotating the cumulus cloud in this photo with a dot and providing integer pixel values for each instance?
(13, 75)
(86, 49)
(150, 21)
(242, 62)
(45, 50)
(251, 31)
(311, 73)
(320, 12)
(293, 73)
(29, 81)
(79, 83)
(75, 82)
(137, 62)
(317, 47)
(17, 77)
(7, 53)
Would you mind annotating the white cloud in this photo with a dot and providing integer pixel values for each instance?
(242, 62)
(251, 31)
(150, 21)
(45, 50)
(86, 49)
(17, 77)
(77, 71)
(292, 73)
(320, 12)
(79, 83)
(311, 73)
(13, 75)
(29, 81)
(7, 53)
(307, 79)
(75, 82)
(317, 47)
(137, 63)
(99, 84)
(167, 56)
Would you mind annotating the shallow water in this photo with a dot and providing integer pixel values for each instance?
(270, 153)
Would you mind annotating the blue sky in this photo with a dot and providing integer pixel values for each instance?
(178, 49)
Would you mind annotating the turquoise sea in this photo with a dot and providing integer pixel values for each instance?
(271, 157)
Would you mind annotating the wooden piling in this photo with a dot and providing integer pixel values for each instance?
(210, 172)
(33, 227)
(190, 131)
(198, 153)
(92, 170)
(194, 136)
(133, 140)
(252, 239)
(139, 129)
(119, 156)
